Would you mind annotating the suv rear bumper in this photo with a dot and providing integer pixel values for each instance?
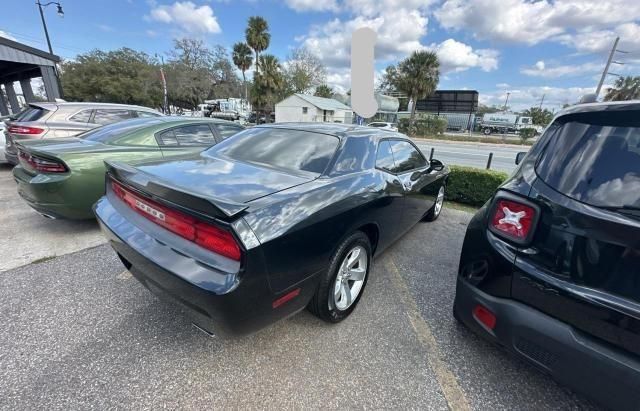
(597, 370)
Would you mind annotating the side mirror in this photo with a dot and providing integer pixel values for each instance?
(436, 165)
(520, 157)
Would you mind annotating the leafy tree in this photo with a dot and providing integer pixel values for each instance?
(257, 36)
(388, 80)
(417, 76)
(119, 76)
(196, 73)
(539, 116)
(625, 88)
(324, 91)
(267, 84)
(243, 60)
(303, 71)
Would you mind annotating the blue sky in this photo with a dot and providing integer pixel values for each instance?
(528, 49)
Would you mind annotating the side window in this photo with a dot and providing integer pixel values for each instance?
(195, 135)
(81, 117)
(167, 138)
(227, 130)
(407, 157)
(305, 110)
(108, 116)
(144, 114)
(384, 158)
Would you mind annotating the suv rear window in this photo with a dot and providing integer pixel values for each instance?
(595, 158)
(292, 150)
(31, 113)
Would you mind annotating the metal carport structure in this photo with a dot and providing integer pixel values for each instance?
(21, 63)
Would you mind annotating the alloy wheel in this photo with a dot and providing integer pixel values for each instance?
(350, 278)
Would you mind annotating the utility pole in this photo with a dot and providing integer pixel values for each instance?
(506, 101)
(165, 99)
(606, 67)
(541, 101)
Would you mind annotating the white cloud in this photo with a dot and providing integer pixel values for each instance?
(457, 56)
(540, 69)
(187, 16)
(594, 41)
(7, 35)
(398, 34)
(312, 5)
(531, 22)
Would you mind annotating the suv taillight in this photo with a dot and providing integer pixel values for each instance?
(205, 235)
(513, 219)
(42, 165)
(24, 130)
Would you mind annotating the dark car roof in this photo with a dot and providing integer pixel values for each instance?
(336, 129)
(605, 106)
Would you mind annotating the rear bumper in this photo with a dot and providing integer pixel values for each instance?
(599, 371)
(222, 303)
(46, 194)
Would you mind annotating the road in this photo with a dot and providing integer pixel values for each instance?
(80, 333)
(472, 154)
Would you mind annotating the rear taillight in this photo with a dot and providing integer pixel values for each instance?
(24, 130)
(205, 235)
(42, 165)
(513, 219)
(484, 316)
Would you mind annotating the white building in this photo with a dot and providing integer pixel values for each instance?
(304, 108)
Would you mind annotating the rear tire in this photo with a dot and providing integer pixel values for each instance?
(434, 212)
(486, 131)
(348, 273)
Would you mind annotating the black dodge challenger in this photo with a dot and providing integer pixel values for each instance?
(270, 221)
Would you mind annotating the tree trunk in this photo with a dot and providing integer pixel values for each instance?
(257, 63)
(244, 80)
(412, 117)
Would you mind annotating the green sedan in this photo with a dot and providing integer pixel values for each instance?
(63, 178)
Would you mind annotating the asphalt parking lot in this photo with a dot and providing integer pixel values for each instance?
(79, 332)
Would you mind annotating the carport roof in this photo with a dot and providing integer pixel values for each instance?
(14, 52)
(324, 103)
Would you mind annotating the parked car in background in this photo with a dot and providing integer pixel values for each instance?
(58, 120)
(63, 178)
(550, 266)
(275, 219)
(384, 125)
(3, 158)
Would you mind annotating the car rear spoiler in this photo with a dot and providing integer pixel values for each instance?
(181, 196)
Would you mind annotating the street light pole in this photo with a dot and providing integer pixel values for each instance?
(506, 101)
(44, 23)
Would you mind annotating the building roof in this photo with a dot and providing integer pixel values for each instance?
(324, 103)
(21, 53)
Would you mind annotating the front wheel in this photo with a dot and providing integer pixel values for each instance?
(486, 131)
(434, 212)
(342, 285)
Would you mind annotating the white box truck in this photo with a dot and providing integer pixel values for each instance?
(504, 123)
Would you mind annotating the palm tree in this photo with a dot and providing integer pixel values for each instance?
(243, 59)
(418, 77)
(257, 36)
(268, 83)
(625, 88)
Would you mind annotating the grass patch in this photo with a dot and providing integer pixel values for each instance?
(43, 259)
(475, 139)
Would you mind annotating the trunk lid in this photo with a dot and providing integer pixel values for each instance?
(208, 185)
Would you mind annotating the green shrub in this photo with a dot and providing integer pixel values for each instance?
(527, 133)
(423, 126)
(473, 186)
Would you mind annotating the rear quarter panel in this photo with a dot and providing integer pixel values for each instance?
(300, 228)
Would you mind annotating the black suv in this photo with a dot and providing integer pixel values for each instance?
(550, 266)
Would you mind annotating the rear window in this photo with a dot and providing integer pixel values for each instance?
(595, 158)
(31, 113)
(291, 150)
(111, 132)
